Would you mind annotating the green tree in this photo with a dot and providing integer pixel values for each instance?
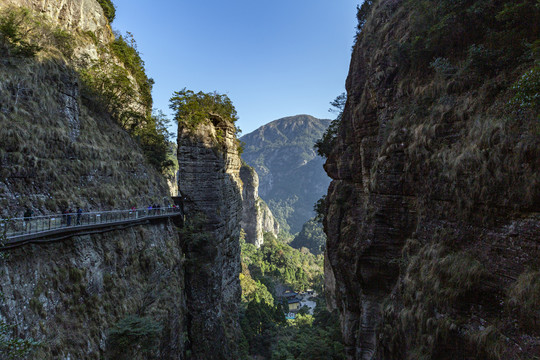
(326, 143)
(311, 237)
(154, 137)
(192, 108)
(17, 33)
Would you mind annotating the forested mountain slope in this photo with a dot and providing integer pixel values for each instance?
(291, 178)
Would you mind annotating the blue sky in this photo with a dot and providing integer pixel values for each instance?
(272, 58)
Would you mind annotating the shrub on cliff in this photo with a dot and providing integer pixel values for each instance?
(108, 8)
(133, 336)
(125, 50)
(16, 33)
(489, 34)
(326, 143)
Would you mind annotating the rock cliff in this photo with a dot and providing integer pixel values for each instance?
(70, 294)
(210, 185)
(256, 216)
(251, 219)
(58, 152)
(268, 222)
(60, 147)
(432, 216)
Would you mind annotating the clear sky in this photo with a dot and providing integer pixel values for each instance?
(272, 58)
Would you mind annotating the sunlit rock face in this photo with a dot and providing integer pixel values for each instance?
(257, 218)
(432, 214)
(86, 15)
(251, 215)
(209, 183)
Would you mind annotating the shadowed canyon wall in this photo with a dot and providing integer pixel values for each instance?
(209, 183)
(432, 216)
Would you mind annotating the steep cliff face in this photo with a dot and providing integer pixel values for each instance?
(432, 214)
(69, 295)
(85, 15)
(58, 151)
(209, 183)
(251, 220)
(76, 17)
(256, 216)
(268, 222)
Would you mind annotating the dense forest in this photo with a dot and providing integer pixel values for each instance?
(266, 332)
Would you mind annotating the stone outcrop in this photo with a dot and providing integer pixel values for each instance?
(209, 183)
(432, 214)
(86, 15)
(268, 222)
(57, 152)
(251, 219)
(257, 218)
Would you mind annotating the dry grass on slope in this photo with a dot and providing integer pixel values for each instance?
(55, 152)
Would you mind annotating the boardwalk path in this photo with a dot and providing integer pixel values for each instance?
(43, 229)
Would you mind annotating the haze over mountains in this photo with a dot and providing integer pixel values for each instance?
(290, 173)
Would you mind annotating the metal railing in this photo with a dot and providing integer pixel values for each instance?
(15, 227)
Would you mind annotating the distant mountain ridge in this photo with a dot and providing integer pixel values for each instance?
(291, 176)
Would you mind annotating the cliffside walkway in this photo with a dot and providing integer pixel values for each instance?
(42, 229)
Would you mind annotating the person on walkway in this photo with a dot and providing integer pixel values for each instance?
(69, 217)
(27, 217)
(64, 216)
(79, 214)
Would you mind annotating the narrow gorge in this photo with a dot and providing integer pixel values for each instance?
(196, 243)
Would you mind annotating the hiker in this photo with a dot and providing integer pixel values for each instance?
(27, 217)
(69, 217)
(79, 214)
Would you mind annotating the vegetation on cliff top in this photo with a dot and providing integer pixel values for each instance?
(191, 108)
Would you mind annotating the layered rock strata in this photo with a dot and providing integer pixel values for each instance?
(209, 183)
(433, 212)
